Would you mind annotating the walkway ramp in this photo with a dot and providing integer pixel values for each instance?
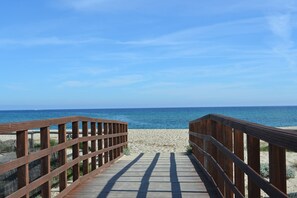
(148, 175)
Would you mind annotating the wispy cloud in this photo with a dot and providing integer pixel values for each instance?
(47, 41)
(75, 84)
(116, 81)
(283, 27)
(204, 34)
(83, 4)
(14, 87)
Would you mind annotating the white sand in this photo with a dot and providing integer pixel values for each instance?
(158, 140)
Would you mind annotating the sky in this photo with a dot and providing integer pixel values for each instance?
(149, 53)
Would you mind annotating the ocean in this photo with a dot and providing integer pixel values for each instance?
(164, 118)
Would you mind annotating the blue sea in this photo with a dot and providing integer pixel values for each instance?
(164, 118)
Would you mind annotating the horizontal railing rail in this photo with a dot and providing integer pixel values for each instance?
(218, 144)
(94, 146)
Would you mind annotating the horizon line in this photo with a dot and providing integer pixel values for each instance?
(170, 107)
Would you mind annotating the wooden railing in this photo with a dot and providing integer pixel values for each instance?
(107, 140)
(218, 144)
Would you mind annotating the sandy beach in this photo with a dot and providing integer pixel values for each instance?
(158, 140)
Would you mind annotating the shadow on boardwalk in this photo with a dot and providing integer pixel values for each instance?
(149, 175)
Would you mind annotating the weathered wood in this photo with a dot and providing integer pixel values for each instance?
(93, 145)
(114, 131)
(279, 137)
(110, 143)
(120, 129)
(75, 151)
(213, 150)
(220, 156)
(100, 157)
(277, 167)
(210, 147)
(221, 172)
(22, 126)
(239, 152)
(160, 184)
(22, 150)
(105, 143)
(253, 154)
(260, 181)
(44, 154)
(45, 161)
(62, 157)
(85, 148)
(228, 167)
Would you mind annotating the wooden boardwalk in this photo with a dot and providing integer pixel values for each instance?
(148, 175)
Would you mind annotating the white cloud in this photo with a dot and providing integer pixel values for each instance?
(99, 5)
(123, 80)
(74, 84)
(48, 41)
(15, 87)
(116, 81)
(84, 4)
(204, 34)
(282, 26)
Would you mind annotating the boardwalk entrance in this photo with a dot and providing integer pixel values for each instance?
(147, 175)
(225, 149)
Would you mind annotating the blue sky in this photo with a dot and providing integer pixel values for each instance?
(149, 53)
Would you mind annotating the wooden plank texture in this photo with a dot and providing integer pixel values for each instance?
(22, 150)
(62, 157)
(277, 167)
(147, 175)
(45, 161)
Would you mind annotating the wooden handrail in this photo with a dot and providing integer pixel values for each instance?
(218, 145)
(99, 156)
(20, 126)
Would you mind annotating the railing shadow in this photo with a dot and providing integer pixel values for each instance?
(211, 188)
(175, 185)
(107, 188)
(143, 189)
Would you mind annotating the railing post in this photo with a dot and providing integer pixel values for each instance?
(253, 152)
(62, 156)
(105, 143)
(75, 151)
(198, 141)
(206, 145)
(119, 138)
(115, 129)
(213, 149)
(32, 140)
(220, 156)
(85, 147)
(277, 167)
(100, 161)
(110, 144)
(239, 152)
(228, 143)
(93, 145)
(121, 127)
(126, 136)
(21, 151)
(45, 161)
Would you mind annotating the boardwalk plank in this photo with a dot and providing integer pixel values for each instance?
(151, 175)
